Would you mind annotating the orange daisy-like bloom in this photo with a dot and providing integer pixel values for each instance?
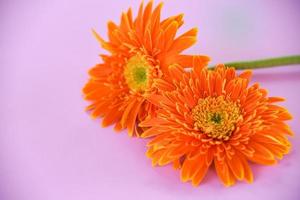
(212, 117)
(140, 49)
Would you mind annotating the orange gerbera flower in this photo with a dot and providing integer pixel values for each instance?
(212, 116)
(140, 50)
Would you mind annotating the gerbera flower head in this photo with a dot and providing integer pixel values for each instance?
(140, 50)
(213, 117)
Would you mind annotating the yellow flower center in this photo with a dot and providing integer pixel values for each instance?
(137, 72)
(216, 117)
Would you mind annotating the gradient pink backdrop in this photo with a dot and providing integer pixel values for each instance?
(50, 149)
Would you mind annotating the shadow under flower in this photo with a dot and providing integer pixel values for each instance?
(290, 73)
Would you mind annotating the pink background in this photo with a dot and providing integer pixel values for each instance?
(50, 149)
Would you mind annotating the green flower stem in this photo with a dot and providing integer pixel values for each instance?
(265, 63)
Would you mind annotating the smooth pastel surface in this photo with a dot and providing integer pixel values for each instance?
(50, 149)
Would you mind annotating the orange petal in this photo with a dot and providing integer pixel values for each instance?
(131, 122)
(195, 61)
(247, 74)
(247, 171)
(100, 71)
(156, 156)
(151, 122)
(98, 93)
(177, 164)
(170, 33)
(200, 174)
(147, 13)
(224, 173)
(190, 167)
(100, 109)
(175, 72)
(181, 44)
(163, 85)
(125, 25)
(127, 111)
(275, 99)
(191, 32)
(111, 117)
(104, 44)
(261, 155)
(153, 131)
(236, 166)
(155, 20)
